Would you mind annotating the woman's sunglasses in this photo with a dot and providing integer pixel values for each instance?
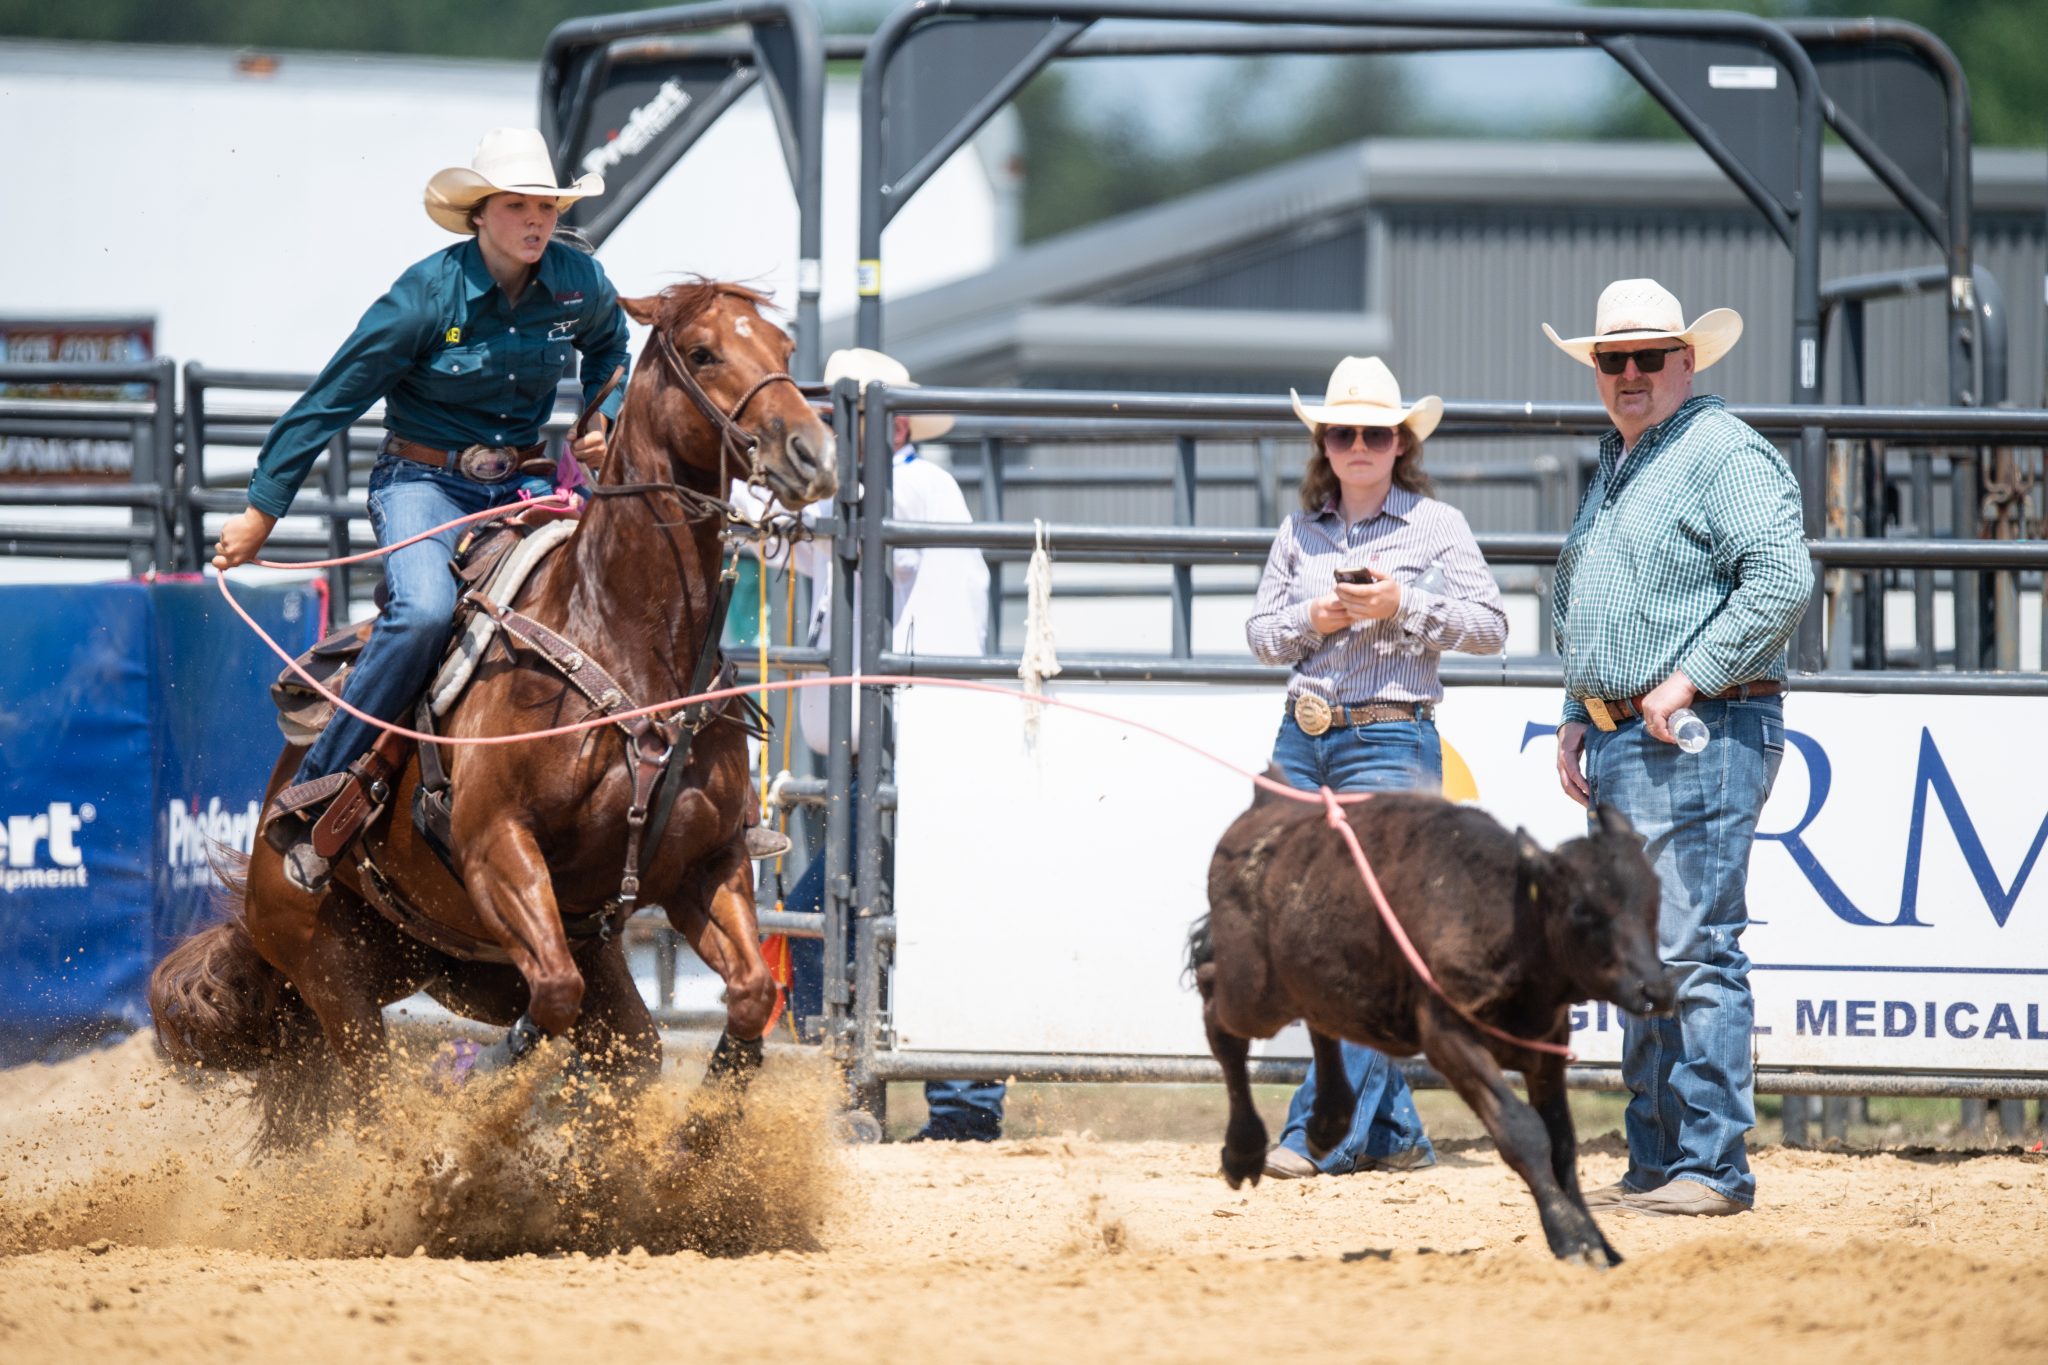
(1376, 438)
(1647, 362)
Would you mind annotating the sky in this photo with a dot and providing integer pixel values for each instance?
(1483, 90)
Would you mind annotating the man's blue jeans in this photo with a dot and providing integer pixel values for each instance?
(412, 634)
(1690, 1077)
(1389, 756)
(960, 1110)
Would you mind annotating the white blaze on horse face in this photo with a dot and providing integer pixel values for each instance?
(742, 327)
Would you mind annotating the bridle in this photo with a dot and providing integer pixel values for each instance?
(736, 446)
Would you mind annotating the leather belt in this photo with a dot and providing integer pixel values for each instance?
(483, 464)
(1607, 713)
(1316, 716)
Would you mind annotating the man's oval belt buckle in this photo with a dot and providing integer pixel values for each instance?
(1596, 707)
(1311, 713)
(488, 464)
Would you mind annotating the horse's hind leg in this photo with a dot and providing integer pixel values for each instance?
(343, 974)
(615, 1034)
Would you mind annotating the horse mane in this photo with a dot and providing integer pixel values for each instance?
(684, 302)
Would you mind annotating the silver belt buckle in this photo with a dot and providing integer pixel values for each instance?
(488, 464)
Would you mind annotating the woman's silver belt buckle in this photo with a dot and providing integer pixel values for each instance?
(488, 464)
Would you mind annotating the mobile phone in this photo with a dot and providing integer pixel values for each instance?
(1359, 576)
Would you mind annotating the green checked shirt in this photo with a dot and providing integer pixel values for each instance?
(456, 362)
(1689, 554)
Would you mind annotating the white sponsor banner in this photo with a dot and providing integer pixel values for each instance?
(1043, 895)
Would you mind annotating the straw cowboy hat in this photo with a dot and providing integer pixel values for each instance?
(1364, 393)
(507, 161)
(865, 367)
(1644, 310)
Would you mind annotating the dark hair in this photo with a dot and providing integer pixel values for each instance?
(1319, 481)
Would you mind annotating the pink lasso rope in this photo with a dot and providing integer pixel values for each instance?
(1334, 817)
(1332, 802)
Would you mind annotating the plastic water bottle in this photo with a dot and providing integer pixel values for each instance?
(1689, 730)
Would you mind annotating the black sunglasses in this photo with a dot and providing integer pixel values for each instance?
(1647, 362)
(1376, 438)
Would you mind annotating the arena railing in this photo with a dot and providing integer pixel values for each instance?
(147, 426)
(858, 890)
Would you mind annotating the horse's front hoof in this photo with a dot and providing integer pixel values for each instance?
(734, 1061)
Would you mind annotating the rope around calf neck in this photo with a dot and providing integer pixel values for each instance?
(1334, 817)
(1332, 802)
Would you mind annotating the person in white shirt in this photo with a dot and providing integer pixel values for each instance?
(941, 607)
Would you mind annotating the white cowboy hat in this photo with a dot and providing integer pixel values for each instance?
(507, 161)
(1644, 310)
(865, 367)
(1364, 393)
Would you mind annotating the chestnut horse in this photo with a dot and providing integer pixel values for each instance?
(540, 832)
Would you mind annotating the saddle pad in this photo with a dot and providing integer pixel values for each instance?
(502, 586)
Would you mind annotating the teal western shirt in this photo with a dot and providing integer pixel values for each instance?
(456, 363)
(1690, 554)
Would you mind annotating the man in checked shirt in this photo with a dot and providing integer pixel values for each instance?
(1681, 582)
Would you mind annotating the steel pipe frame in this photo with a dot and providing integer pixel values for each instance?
(1031, 1066)
(807, 116)
(1606, 27)
(860, 1041)
(152, 433)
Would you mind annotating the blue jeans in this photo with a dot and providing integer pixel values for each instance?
(1389, 756)
(412, 634)
(960, 1110)
(1690, 1077)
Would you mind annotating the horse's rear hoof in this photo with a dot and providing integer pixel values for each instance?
(460, 1061)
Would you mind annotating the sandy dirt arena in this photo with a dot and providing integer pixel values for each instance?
(134, 1224)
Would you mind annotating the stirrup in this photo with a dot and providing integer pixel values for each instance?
(763, 842)
(305, 868)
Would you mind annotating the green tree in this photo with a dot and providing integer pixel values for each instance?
(2000, 44)
(1080, 171)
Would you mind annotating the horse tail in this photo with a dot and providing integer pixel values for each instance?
(215, 1001)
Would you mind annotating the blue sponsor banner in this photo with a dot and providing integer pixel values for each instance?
(134, 729)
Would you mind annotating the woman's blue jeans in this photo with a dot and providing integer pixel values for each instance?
(1690, 1076)
(1388, 756)
(406, 645)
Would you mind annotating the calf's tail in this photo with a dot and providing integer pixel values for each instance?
(1201, 948)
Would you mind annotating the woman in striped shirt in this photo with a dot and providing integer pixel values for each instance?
(1363, 648)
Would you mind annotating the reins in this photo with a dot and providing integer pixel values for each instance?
(736, 446)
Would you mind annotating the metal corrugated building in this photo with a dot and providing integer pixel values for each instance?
(1444, 256)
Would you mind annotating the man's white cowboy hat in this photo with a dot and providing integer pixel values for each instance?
(1364, 393)
(865, 367)
(1644, 310)
(507, 161)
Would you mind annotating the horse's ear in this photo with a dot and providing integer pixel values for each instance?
(641, 311)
